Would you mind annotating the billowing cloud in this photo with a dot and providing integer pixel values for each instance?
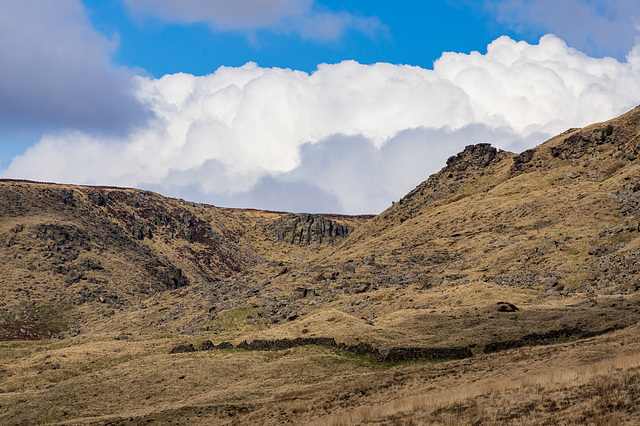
(55, 71)
(289, 16)
(598, 27)
(357, 136)
(366, 179)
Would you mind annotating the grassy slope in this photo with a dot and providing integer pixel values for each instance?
(544, 232)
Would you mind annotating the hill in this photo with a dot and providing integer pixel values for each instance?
(503, 289)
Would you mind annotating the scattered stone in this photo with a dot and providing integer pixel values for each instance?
(207, 345)
(224, 345)
(183, 348)
(507, 307)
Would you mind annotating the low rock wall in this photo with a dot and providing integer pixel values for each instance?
(362, 349)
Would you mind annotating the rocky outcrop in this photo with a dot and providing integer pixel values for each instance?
(471, 162)
(171, 277)
(472, 158)
(585, 142)
(524, 162)
(612, 271)
(628, 197)
(304, 229)
(183, 348)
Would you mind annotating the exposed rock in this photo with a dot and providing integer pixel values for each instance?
(601, 250)
(183, 348)
(300, 293)
(522, 162)
(304, 229)
(427, 354)
(364, 349)
(361, 349)
(224, 345)
(65, 196)
(507, 307)
(523, 279)
(613, 270)
(98, 198)
(207, 345)
(171, 277)
(476, 157)
(629, 197)
(275, 345)
(553, 336)
(579, 144)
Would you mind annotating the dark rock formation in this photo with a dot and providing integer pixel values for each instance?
(304, 229)
(522, 162)
(507, 307)
(280, 344)
(582, 143)
(361, 349)
(207, 345)
(427, 354)
(98, 198)
(473, 157)
(183, 348)
(65, 196)
(612, 269)
(629, 197)
(550, 337)
(171, 277)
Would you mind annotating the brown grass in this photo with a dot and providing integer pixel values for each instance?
(429, 271)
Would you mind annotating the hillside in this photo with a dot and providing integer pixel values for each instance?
(503, 289)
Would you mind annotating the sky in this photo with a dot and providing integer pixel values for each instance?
(298, 105)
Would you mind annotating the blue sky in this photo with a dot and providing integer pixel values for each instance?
(407, 32)
(302, 105)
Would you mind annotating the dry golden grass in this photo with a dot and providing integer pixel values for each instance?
(427, 272)
(602, 392)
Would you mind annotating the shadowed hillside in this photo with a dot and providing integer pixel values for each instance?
(517, 273)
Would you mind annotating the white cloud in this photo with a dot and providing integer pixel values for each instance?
(366, 179)
(599, 27)
(297, 16)
(361, 135)
(55, 70)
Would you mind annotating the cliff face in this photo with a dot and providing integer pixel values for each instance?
(304, 229)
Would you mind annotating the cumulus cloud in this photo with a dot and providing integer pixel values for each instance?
(355, 136)
(289, 16)
(366, 179)
(598, 27)
(55, 70)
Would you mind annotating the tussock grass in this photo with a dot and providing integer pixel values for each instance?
(610, 383)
